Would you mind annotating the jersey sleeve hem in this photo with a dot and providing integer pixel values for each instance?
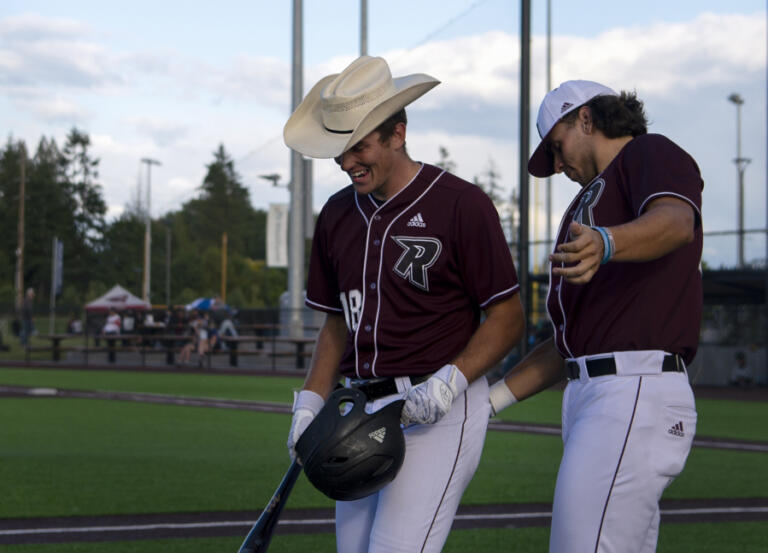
(669, 194)
(500, 295)
(320, 307)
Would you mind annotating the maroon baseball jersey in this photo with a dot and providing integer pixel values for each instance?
(410, 275)
(655, 305)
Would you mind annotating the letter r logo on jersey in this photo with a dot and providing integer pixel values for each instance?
(419, 255)
(587, 202)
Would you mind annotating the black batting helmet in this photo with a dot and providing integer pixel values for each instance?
(348, 454)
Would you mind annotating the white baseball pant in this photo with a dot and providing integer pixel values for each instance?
(414, 513)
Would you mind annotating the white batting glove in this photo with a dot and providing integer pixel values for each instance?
(428, 402)
(306, 406)
(500, 397)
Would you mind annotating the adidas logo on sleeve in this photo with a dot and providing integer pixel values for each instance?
(417, 221)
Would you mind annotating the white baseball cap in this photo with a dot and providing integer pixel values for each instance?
(343, 108)
(567, 97)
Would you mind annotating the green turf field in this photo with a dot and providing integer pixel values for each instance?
(62, 457)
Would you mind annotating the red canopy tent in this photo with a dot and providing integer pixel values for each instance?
(119, 298)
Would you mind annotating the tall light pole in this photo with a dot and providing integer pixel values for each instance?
(296, 214)
(525, 100)
(168, 223)
(549, 87)
(147, 230)
(363, 27)
(741, 165)
(20, 236)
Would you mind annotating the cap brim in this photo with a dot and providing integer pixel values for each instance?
(305, 132)
(542, 163)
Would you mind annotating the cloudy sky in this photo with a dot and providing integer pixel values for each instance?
(173, 80)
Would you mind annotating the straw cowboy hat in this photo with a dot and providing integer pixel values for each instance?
(342, 109)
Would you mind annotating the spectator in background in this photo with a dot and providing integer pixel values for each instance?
(74, 325)
(27, 317)
(199, 325)
(213, 335)
(741, 372)
(3, 346)
(222, 316)
(129, 322)
(113, 323)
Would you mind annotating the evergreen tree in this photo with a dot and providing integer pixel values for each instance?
(490, 183)
(81, 173)
(445, 161)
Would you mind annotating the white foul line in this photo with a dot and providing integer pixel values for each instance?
(325, 521)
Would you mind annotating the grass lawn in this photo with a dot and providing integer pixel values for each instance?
(717, 418)
(63, 457)
(79, 457)
(253, 388)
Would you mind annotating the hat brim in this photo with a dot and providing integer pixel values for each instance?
(542, 163)
(305, 132)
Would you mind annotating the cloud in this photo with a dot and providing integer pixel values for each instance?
(44, 52)
(164, 133)
(54, 108)
(480, 74)
(665, 58)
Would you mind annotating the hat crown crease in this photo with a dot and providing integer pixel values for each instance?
(344, 100)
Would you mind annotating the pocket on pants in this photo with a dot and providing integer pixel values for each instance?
(673, 439)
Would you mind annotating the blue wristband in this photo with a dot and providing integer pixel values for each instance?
(607, 245)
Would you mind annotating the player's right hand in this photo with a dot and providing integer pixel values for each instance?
(429, 401)
(581, 254)
(306, 406)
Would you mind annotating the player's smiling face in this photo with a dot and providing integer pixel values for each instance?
(370, 164)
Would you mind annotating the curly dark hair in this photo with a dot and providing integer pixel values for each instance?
(615, 116)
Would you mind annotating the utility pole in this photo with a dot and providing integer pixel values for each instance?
(549, 87)
(20, 233)
(741, 165)
(224, 267)
(148, 231)
(525, 108)
(297, 214)
(363, 27)
(168, 223)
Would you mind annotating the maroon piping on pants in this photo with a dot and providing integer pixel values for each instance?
(453, 470)
(618, 465)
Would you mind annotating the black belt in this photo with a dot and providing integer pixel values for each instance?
(607, 365)
(380, 387)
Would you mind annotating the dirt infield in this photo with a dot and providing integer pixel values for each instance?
(237, 523)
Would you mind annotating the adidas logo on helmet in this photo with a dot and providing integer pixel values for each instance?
(378, 434)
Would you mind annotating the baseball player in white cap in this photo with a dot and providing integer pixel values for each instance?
(404, 261)
(625, 300)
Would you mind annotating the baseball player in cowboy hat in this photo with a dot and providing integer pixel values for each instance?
(625, 301)
(403, 262)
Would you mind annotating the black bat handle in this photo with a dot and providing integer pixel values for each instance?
(260, 535)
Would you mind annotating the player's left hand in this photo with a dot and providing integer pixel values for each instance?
(582, 254)
(429, 401)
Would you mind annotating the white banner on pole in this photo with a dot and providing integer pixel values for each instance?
(277, 235)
